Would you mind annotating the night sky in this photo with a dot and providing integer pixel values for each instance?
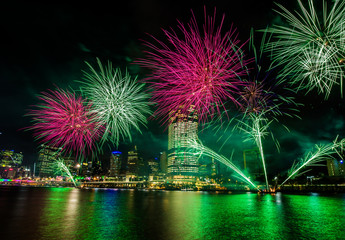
(44, 46)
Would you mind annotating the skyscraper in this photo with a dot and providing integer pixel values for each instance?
(115, 163)
(72, 164)
(132, 164)
(86, 168)
(335, 167)
(9, 158)
(182, 128)
(251, 162)
(153, 166)
(46, 158)
(163, 162)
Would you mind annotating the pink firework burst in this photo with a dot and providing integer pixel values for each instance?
(198, 70)
(65, 120)
(254, 98)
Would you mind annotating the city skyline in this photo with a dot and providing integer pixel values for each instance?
(151, 119)
(46, 46)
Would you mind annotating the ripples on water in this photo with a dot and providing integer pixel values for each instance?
(68, 213)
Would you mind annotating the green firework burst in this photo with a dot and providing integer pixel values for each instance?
(118, 99)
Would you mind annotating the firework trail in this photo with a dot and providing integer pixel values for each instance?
(65, 121)
(263, 100)
(320, 153)
(198, 69)
(119, 101)
(311, 48)
(262, 109)
(203, 150)
(61, 167)
(256, 128)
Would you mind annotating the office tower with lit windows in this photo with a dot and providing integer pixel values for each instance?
(115, 164)
(182, 128)
(10, 158)
(46, 159)
(86, 168)
(10, 163)
(153, 166)
(335, 167)
(72, 164)
(132, 171)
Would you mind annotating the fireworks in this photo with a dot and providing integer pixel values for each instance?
(61, 168)
(262, 107)
(200, 69)
(320, 153)
(118, 100)
(65, 121)
(209, 152)
(311, 48)
(256, 127)
(263, 99)
(265, 94)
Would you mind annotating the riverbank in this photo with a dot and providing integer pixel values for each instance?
(324, 188)
(291, 189)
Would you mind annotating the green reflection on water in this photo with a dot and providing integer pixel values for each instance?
(107, 218)
(94, 214)
(319, 216)
(59, 189)
(125, 214)
(54, 213)
(252, 216)
(239, 216)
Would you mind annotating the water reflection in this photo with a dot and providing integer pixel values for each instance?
(315, 215)
(71, 212)
(183, 215)
(68, 213)
(53, 220)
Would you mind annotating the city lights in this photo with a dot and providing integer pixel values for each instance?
(173, 120)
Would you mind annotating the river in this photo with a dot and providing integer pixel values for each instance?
(70, 213)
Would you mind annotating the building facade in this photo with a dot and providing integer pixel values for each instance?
(181, 159)
(252, 163)
(153, 166)
(10, 158)
(336, 168)
(132, 170)
(47, 157)
(163, 162)
(115, 163)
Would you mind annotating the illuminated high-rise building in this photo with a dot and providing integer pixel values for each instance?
(153, 166)
(46, 159)
(132, 164)
(72, 164)
(10, 158)
(86, 168)
(115, 164)
(214, 169)
(335, 167)
(182, 128)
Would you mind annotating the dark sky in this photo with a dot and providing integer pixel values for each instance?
(43, 46)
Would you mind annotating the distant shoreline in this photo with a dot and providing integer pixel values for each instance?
(296, 189)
